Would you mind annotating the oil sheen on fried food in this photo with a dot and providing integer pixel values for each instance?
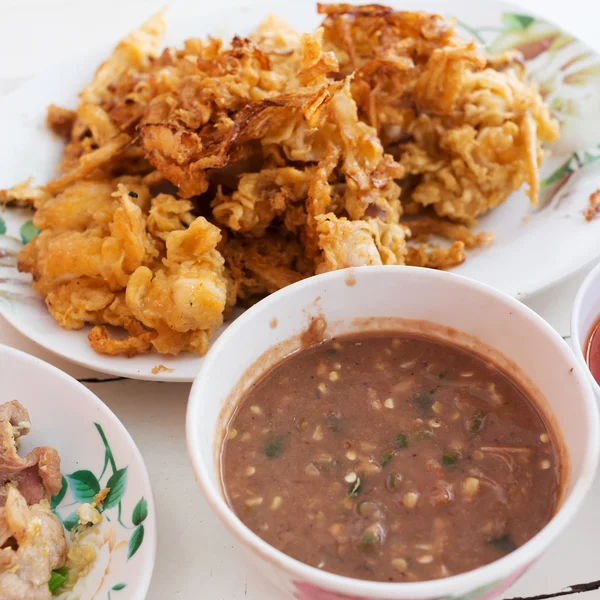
(390, 457)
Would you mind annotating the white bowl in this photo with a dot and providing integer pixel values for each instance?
(93, 443)
(585, 314)
(495, 324)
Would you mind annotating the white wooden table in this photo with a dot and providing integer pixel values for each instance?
(196, 556)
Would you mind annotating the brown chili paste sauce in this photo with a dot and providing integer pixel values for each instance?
(390, 457)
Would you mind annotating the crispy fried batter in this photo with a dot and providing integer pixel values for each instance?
(198, 177)
(424, 227)
(594, 206)
(60, 120)
(346, 243)
(184, 301)
(90, 162)
(469, 130)
(81, 301)
(257, 267)
(107, 251)
(260, 198)
(426, 255)
(139, 341)
(23, 194)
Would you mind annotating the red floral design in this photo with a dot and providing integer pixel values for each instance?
(306, 591)
(504, 585)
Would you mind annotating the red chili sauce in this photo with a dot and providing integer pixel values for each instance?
(592, 351)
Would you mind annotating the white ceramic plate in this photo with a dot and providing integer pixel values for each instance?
(96, 451)
(533, 248)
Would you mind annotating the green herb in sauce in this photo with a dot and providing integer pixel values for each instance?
(275, 446)
(330, 352)
(476, 423)
(449, 459)
(391, 481)
(422, 402)
(386, 457)
(368, 539)
(401, 440)
(504, 544)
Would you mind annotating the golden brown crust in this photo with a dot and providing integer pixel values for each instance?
(60, 120)
(138, 343)
(593, 206)
(199, 177)
(426, 255)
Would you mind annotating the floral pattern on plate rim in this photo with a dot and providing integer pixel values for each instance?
(80, 487)
(13, 285)
(568, 75)
(307, 591)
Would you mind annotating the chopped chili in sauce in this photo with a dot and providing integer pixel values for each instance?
(390, 457)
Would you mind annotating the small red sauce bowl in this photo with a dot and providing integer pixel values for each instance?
(584, 319)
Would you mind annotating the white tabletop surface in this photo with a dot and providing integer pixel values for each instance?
(196, 556)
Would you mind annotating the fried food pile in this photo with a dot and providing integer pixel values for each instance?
(200, 177)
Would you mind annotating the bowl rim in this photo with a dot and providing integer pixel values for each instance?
(151, 533)
(577, 343)
(494, 572)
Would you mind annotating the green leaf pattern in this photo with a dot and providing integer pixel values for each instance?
(71, 521)
(515, 22)
(117, 484)
(28, 231)
(84, 485)
(575, 162)
(12, 288)
(140, 512)
(135, 541)
(56, 500)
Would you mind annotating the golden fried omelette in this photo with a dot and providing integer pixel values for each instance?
(200, 177)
